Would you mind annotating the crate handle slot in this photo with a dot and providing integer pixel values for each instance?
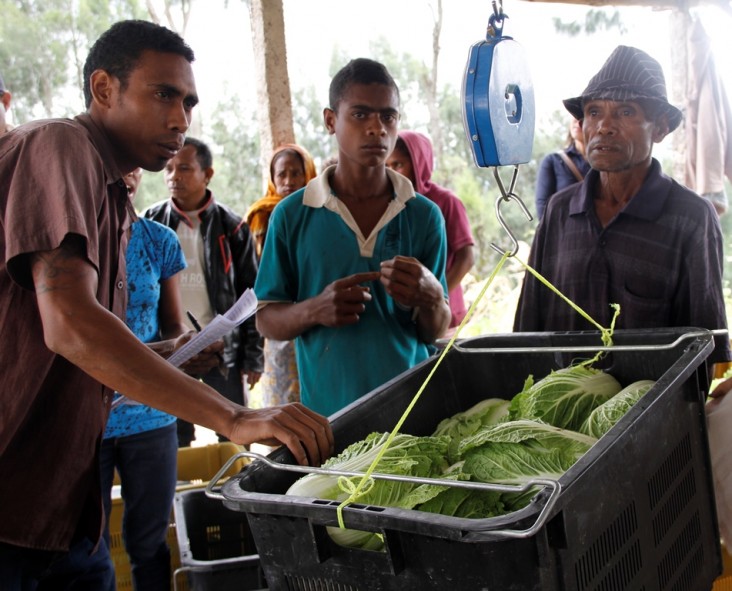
(580, 349)
(221, 564)
(553, 485)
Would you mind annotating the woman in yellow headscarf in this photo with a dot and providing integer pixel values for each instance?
(290, 168)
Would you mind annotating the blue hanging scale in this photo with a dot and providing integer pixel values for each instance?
(498, 107)
(498, 99)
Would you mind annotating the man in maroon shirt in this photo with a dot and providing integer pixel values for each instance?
(64, 218)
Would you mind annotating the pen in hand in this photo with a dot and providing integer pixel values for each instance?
(194, 321)
(197, 326)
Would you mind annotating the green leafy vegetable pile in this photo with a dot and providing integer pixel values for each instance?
(538, 434)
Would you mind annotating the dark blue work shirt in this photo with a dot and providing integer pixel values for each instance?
(660, 258)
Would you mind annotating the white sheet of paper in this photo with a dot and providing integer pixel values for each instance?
(242, 309)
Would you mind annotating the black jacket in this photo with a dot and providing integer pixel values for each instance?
(231, 268)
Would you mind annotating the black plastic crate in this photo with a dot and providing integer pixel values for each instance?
(636, 513)
(217, 551)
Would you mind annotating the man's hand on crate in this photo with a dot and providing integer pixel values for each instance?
(305, 433)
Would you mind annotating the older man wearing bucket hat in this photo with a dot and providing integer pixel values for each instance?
(4, 106)
(627, 234)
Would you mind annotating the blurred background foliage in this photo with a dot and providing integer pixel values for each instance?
(43, 45)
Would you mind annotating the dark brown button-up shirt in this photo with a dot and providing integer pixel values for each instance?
(57, 177)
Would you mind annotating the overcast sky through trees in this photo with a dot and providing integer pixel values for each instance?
(560, 66)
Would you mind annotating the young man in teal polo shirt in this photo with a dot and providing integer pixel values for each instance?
(353, 265)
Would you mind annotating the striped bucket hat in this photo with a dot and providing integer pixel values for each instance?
(629, 74)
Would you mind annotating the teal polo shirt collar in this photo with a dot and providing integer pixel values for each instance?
(318, 193)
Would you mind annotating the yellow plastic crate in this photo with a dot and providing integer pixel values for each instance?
(724, 581)
(196, 466)
(122, 568)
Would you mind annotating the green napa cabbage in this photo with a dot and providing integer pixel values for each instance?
(512, 452)
(466, 503)
(564, 398)
(515, 464)
(463, 424)
(517, 452)
(407, 455)
(539, 434)
(610, 412)
(532, 434)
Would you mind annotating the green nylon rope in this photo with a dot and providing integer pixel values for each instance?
(606, 334)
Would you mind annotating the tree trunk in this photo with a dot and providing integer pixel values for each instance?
(274, 114)
(431, 84)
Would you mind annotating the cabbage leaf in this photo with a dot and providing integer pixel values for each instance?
(532, 434)
(517, 452)
(463, 424)
(564, 398)
(464, 502)
(407, 455)
(611, 411)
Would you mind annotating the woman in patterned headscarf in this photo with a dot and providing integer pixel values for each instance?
(290, 169)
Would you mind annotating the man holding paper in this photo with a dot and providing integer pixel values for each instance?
(222, 264)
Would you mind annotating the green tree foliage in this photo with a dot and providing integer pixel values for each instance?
(307, 110)
(34, 53)
(595, 21)
(150, 190)
(43, 45)
(234, 138)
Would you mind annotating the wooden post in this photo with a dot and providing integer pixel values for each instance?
(274, 113)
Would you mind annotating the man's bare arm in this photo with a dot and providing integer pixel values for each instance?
(77, 327)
